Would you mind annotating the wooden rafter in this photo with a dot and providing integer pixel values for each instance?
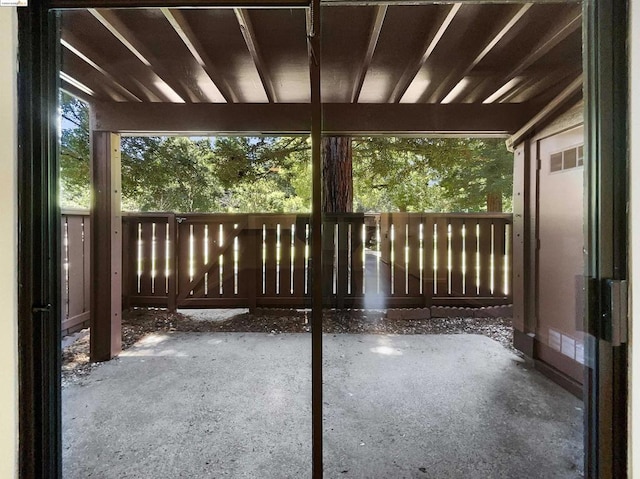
(569, 25)
(412, 70)
(381, 12)
(183, 29)
(441, 90)
(90, 57)
(249, 35)
(117, 28)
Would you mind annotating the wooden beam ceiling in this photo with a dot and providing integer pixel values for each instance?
(74, 46)
(173, 90)
(442, 89)
(248, 32)
(429, 46)
(295, 118)
(433, 66)
(376, 27)
(559, 32)
(180, 25)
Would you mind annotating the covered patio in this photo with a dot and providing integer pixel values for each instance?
(205, 405)
(384, 69)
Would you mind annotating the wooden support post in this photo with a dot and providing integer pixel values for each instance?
(106, 247)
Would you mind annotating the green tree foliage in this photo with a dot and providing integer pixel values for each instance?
(430, 174)
(266, 174)
(74, 153)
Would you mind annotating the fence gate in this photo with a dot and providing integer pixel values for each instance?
(209, 273)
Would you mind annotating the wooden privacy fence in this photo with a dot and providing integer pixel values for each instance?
(378, 261)
(75, 272)
(238, 260)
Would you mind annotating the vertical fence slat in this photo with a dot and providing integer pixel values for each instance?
(399, 248)
(498, 256)
(86, 267)
(76, 265)
(385, 254)
(427, 258)
(244, 285)
(127, 262)
(270, 260)
(285, 256)
(230, 231)
(301, 223)
(485, 256)
(414, 221)
(64, 251)
(470, 288)
(145, 258)
(213, 256)
(250, 268)
(441, 253)
(357, 250)
(182, 258)
(343, 260)
(456, 256)
(161, 260)
(198, 245)
(328, 256)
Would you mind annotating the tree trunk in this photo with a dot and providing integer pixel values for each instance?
(494, 202)
(337, 175)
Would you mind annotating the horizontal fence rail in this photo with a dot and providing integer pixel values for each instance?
(372, 261)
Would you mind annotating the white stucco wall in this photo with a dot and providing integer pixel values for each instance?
(634, 239)
(8, 253)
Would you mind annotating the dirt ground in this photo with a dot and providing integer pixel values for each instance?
(139, 322)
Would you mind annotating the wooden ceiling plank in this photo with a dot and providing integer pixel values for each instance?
(569, 25)
(179, 23)
(412, 70)
(73, 45)
(376, 27)
(248, 32)
(445, 87)
(118, 29)
(295, 118)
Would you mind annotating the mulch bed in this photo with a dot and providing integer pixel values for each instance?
(138, 322)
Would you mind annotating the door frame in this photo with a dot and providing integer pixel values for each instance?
(605, 27)
(40, 429)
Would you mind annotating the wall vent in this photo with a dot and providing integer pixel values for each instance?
(567, 159)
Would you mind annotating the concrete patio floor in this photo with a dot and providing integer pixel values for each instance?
(209, 405)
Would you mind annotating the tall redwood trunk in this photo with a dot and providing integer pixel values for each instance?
(337, 175)
(494, 202)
